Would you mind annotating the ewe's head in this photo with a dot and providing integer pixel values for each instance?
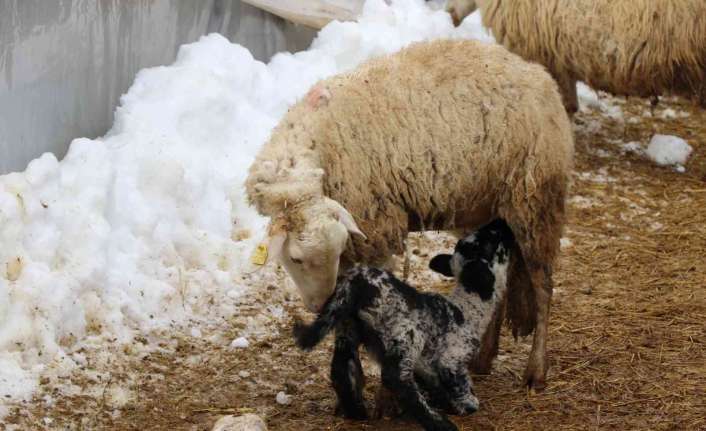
(308, 239)
(479, 259)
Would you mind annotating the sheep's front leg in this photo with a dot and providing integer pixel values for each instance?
(398, 377)
(459, 388)
(347, 373)
(567, 88)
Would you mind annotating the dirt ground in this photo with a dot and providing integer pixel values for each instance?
(627, 333)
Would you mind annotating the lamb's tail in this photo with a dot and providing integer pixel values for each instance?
(338, 307)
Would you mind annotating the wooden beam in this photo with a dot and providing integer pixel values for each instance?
(311, 13)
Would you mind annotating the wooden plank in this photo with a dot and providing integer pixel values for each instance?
(311, 13)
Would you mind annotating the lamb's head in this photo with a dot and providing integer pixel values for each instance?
(459, 9)
(478, 259)
(308, 239)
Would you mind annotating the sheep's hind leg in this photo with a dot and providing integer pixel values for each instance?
(398, 377)
(536, 372)
(538, 236)
(347, 373)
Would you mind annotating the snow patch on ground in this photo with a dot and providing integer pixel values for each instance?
(147, 227)
(582, 202)
(668, 150)
(240, 343)
(601, 176)
(632, 147)
(670, 113)
(590, 100)
(283, 399)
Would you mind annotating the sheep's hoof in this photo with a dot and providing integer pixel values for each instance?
(535, 380)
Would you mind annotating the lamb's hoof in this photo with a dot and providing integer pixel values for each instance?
(482, 368)
(386, 405)
(358, 412)
(469, 406)
(442, 425)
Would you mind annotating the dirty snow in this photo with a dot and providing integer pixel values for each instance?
(669, 150)
(240, 343)
(669, 114)
(589, 99)
(147, 228)
(283, 398)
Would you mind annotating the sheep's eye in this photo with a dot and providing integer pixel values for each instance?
(297, 261)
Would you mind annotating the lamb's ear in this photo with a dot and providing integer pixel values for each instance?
(346, 219)
(441, 263)
(477, 277)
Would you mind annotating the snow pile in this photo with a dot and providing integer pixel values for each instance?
(147, 226)
(669, 150)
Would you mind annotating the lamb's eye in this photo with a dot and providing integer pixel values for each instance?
(297, 261)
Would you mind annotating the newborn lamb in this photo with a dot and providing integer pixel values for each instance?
(422, 341)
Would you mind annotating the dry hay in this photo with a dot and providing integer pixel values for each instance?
(627, 331)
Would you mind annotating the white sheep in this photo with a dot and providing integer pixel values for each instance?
(626, 47)
(445, 135)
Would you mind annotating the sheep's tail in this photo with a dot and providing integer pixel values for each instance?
(338, 307)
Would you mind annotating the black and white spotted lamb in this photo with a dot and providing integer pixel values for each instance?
(422, 341)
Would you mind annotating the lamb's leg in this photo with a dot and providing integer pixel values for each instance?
(567, 88)
(489, 344)
(347, 373)
(386, 405)
(398, 377)
(385, 401)
(435, 394)
(459, 388)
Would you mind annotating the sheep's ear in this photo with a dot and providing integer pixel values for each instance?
(274, 247)
(441, 263)
(277, 233)
(347, 219)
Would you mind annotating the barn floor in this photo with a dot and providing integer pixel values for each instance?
(627, 336)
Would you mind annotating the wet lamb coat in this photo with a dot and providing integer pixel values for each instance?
(626, 47)
(442, 135)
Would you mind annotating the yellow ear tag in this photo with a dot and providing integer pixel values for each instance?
(259, 256)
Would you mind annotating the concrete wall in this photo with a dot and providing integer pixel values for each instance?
(65, 63)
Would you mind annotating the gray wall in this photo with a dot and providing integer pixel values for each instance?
(65, 63)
